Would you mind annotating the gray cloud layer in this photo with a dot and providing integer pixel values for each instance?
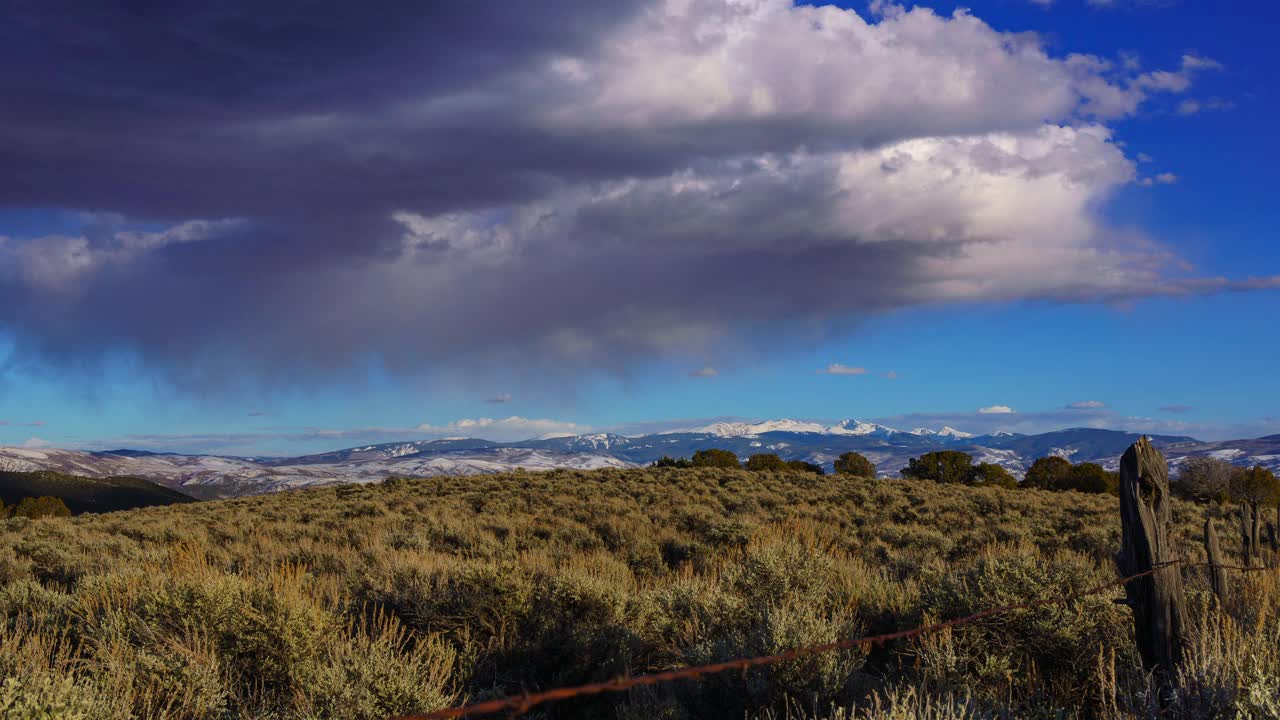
(560, 185)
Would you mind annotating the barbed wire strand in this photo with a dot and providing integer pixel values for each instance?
(520, 704)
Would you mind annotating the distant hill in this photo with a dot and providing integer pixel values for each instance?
(82, 494)
(890, 449)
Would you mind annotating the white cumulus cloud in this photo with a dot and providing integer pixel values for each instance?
(996, 410)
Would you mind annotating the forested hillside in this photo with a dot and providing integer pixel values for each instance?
(82, 494)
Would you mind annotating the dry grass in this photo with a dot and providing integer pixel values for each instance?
(367, 601)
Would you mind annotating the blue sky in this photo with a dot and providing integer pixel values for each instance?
(187, 315)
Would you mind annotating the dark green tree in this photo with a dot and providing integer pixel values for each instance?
(852, 463)
(715, 457)
(41, 507)
(993, 474)
(1089, 478)
(944, 466)
(1257, 484)
(669, 462)
(802, 466)
(1047, 473)
(761, 462)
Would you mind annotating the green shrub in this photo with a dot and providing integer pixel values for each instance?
(668, 462)
(47, 697)
(1257, 484)
(802, 466)
(852, 463)
(993, 475)
(13, 568)
(1048, 652)
(761, 462)
(943, 466)
(380, 670)
(714, 458)
(1091, 478)
(41, 507)
(1047, 473)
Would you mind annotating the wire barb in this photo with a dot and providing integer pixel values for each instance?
(520, 704)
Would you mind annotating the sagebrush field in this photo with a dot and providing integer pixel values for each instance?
(413, 595)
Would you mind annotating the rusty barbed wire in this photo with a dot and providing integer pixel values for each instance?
(521, 704)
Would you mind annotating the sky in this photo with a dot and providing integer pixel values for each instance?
(251, 228)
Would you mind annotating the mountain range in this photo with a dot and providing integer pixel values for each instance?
(209, 476)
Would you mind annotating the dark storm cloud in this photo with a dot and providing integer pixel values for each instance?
(185, 110)
(288, 188)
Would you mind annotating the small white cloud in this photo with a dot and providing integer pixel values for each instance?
(996, 410)
(891, 375)
(1191, 107)
(1166, 178)
(1196, 62)
(36, 442)
(499, 399)
(839, 369)
(1144, 158)
(704, 372)
(1087, 405)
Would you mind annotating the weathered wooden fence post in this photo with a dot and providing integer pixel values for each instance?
(1217, 575)
(1274, 544)
(1257, 534)
(1273, 536)
(1157, 601)
(1251, 533)
(1246, 534)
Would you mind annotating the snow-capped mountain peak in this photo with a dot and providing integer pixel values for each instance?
(595, 441)
(858, 427)
(946, 431)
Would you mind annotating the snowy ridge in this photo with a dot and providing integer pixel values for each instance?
(844, 427)
(236, 476)
(749, 429)
(946, 431)
(857, 427)
(890, 449)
